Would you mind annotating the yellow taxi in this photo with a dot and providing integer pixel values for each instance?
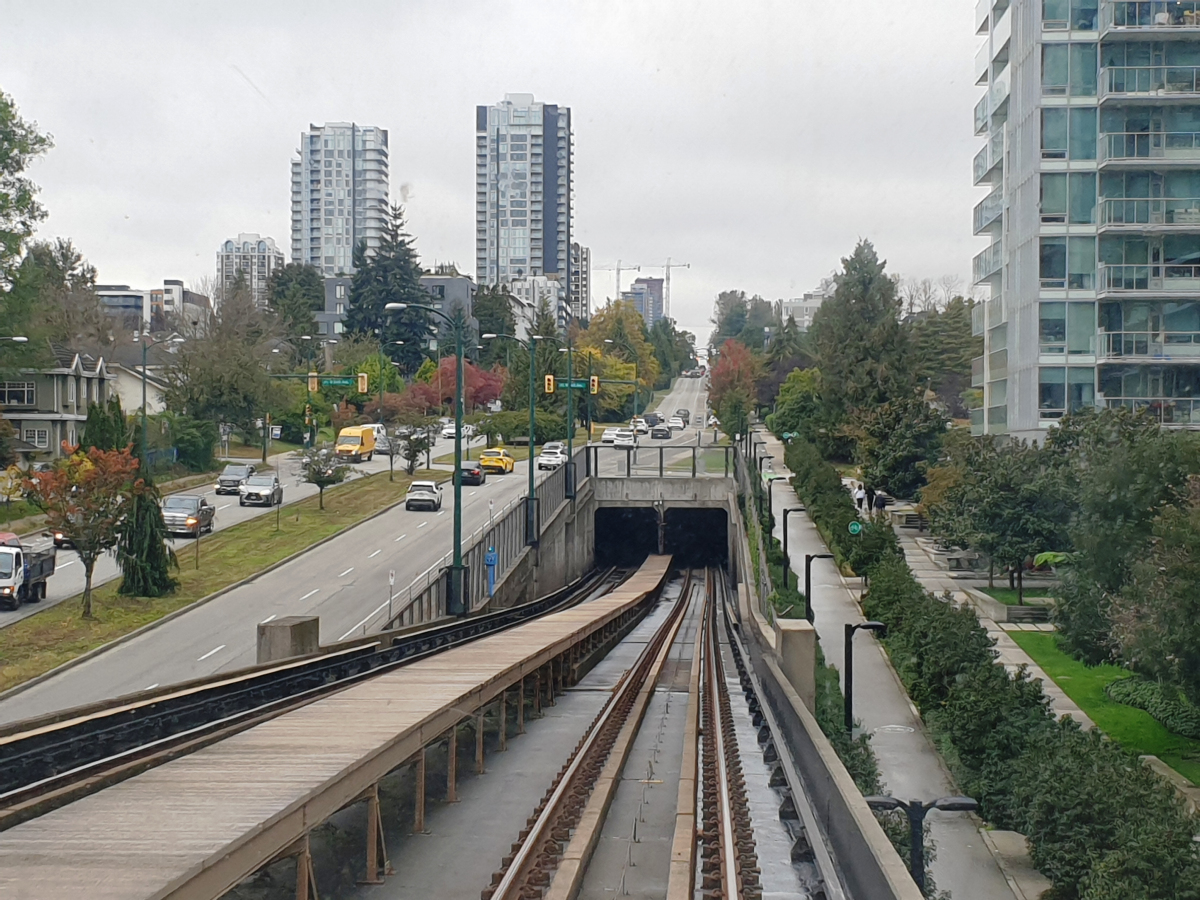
(497, 460)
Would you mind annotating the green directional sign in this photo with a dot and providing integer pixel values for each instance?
(855, 527)
(577, 385)
(340, 382)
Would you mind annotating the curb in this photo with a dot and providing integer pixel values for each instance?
(150, 626)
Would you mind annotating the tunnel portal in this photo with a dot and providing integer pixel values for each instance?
(695, 537)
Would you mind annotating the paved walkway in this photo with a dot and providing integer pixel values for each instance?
(909, 763)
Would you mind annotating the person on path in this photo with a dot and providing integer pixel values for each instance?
(880, 503)
(859, 496)
(870, 498)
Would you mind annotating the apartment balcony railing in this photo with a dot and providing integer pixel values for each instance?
(995, 310)
(1167, 410)
(1151, 213)
(989, 262)
(1158, 147)
(1150, 81)
(978, 321)
(989, 209)
(977, 372)
(982, 9)
(982, 115)
(1150, 16)
(989, 157)
(1160, 278)
(1158, 345)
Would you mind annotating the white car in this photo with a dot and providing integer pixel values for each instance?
(639, 425)
(609, 436)
(423, 495)
(468, 431)
(625, 438)
(675, 423)
(554, 445)
(551, 459)
(713, 422)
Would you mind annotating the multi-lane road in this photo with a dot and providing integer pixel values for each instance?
(343, 581)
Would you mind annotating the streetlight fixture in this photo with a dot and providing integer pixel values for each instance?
(16, 339)
(787, 562)
(531, 507)
(916, 811)
(146, 345)
(457, 600)
(808, 561)
(848, 668)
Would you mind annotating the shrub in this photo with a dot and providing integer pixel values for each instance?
(195, 441)
(1165, 702)
(514, 426)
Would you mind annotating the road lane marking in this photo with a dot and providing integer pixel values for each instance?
(473, 493)
(347, 572)
(268, 618)
(423, 524)
(150, 687)
(399, 539)
(440, 512)
(226, 506)
(211, 652)
(68, 563)
(375, 554)
(309, 594)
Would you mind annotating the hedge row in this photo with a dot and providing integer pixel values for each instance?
(1100, 824)
(1162, 701)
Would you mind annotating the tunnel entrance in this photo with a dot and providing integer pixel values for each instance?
(697, 537)
(625, 535)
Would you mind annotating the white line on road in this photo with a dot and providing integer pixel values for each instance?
(226, 506)
(423, 524)
(150, 687)
(211, 652)
(347, 572)
(310, 593)
(441, 512)
(268, 618)
(375, 554)
(473, 493)
(68, 563)
(399, 539)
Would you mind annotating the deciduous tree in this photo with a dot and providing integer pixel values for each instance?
(20, 144)
(321, 467)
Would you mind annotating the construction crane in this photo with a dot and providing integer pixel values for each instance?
(667, 267)
(618, 268)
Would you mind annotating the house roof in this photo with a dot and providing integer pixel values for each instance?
(153, 373)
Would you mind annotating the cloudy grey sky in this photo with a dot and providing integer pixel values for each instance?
(755, 139)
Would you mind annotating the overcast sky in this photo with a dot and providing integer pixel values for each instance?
(756, 140)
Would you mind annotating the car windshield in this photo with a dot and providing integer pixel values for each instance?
(261, 481)
(187, 504)
(6, 564)
(352, 440)
(235, 472)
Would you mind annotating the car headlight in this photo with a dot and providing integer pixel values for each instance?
(191, 520)
(6, 590)
(58, 535)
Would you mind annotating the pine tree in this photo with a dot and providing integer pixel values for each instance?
(146, 559)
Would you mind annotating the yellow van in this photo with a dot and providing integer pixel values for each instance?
(356, 443)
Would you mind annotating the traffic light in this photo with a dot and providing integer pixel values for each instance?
(549, 384)
(594, 384)
(313, 383)
(307, 414)
(362, 382)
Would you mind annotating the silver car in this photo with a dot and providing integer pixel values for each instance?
(260, 489)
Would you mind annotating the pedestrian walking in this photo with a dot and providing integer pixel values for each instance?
(880, 503)
(870, 498)
(859, 496)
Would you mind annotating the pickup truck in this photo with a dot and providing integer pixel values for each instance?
(23, 571)
(187, 514)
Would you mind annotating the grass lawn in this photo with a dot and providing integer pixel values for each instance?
(238, 450)
(1009, 597)
(50, 638)
(17, 509)
(1132, 728)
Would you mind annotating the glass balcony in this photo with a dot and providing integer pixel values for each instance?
(1159, 18)
(995, 310)
(982, 114)
(1139, 213)
(978, 322)
(1154, 82)
(1166, 410)
(989, 209)
(989, 262)
(1001, 88)
(977, 372)
(982, 8)
(977, 422)
(990, 156)
(983, 62)
(1156, 345)
(1168, 279)
(1160, 147)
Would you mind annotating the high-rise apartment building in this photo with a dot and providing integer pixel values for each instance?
(1091, 122)
(646, 295)
(581, 282)
(255, 258)
(339, 194)
(523, 201)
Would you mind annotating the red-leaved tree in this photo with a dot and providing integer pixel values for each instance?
(87, 496)
(732, 386)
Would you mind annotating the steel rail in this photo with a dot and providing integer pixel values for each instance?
(45, 757)
(714, 687)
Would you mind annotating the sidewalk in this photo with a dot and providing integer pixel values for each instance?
(909, 763)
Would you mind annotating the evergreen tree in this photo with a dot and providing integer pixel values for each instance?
(296, 292)
(390, 274)
(20, 211)
(106, 427)
(146, 559)
(493, 311)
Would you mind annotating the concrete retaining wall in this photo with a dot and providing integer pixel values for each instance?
(706, 492)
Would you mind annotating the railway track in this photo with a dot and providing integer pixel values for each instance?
(47, 762)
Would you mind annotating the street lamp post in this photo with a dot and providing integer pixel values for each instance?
(146, 345)
(457, 600)
(916, 811)
(531, 507)
(787, 561)
(808, 561)
(848, 668)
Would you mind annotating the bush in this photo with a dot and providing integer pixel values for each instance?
(195, 441)
(514, 426)
(1162, 701)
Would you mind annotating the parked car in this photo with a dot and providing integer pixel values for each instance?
(232, 478)
(625, 438)
(660, 432)
(188, 514)
(473, 473)
(497, 460)
(261, 489)
(609, 436)
(676, 424)
(356, 443)
(423, 495)
(551, 459)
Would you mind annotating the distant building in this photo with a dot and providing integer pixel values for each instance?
(332, 319)
(49, 406)
(181, 308)
(646, 294)
(804, 307)
(339, 194)
(450, 292)
(529, 292)
(256, 258)
(523, 191)
(581, 282)
(131, 307)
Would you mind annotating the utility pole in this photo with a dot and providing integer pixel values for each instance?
(667, 267)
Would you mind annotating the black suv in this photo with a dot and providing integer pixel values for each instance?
(233, 478)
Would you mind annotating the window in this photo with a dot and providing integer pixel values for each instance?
(1052, 262)
(17, 393)
(1069, 133)
(1061, 15)
(39, 437)
(339, 291)
(1052, 327)
(1063, 390)
(340, 309)
(71, 388)
(1081, 263)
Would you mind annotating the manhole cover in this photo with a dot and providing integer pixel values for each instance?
(894, 729)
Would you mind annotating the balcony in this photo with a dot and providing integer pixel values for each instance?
(982, 8)
(977, 372)
(1152, 83)
(1001, 33)
(1168, 214)
(987, 264)
(998, 95)
(1159, 148)
(989, 210)
(1154, 279)
(978, 320)
(1167, 411)
(1161, 346)
(997, 365)
(1151, 19)
(983, 63)
(982, 115)
(991, 156)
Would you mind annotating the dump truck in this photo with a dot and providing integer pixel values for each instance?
(23, 571)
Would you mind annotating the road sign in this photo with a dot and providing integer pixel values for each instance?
(340, 382)
(276, 432)
(855, 527)
(579, 384)
(391, 577)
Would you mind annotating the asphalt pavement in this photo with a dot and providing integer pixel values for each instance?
(343, 581)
